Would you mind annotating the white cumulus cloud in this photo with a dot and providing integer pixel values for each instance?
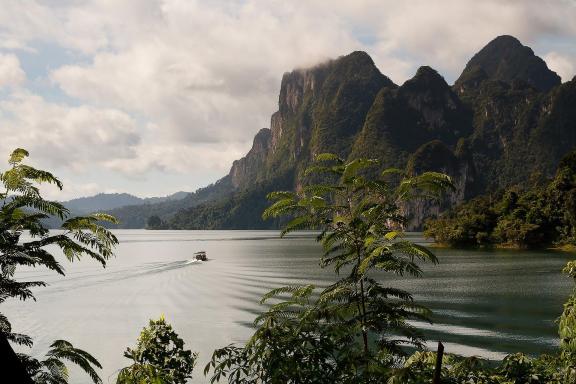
(11, 74)
(62, 136)
(563, 65)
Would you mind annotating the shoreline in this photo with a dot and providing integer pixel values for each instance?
(568, 248)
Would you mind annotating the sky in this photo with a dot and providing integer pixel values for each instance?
(153, 97)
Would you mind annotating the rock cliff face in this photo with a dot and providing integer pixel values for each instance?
(506, 118)
(247, 168)
(321, 109)
(437, 157)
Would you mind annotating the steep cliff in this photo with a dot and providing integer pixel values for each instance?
(438, 157)
(247, 169)
(321, 109)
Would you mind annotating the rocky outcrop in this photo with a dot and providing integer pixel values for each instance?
(441, 113)
(435, 156)
(320, 109)
(245, 171)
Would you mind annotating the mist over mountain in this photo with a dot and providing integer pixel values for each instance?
(506, 120)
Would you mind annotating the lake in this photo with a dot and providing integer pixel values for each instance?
(486, 303)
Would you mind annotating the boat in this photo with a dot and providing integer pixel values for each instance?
(200, 256)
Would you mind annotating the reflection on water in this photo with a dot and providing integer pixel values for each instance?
(485, 303)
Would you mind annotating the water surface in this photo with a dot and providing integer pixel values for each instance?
(486, 303)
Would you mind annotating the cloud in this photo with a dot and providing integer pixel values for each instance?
(10, 72)
(72, 189)
(178, 158)
(563, 65)
(82, 138)
(67, 137)
(445, 34)
(209, 73)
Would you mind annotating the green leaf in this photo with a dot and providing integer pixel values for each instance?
(17, 156)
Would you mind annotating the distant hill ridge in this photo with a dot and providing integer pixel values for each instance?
(506, 119)
(108, 201)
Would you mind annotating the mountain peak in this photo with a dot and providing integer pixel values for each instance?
(506, 59)
(328, 76)
(427, 85)
(357, 57)
(428, 77)
(506, 41)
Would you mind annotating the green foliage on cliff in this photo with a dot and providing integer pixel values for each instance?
(237, 210)
(542, 215)
(506, 59)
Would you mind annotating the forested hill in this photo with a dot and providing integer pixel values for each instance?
(506, 120)
(107, 201)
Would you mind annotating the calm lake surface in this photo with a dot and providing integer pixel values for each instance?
(486, 303)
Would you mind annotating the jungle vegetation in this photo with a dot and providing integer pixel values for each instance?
(356, 330)
(541, 215)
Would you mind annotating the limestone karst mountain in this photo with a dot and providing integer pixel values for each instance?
(506, 119)
(506, 59)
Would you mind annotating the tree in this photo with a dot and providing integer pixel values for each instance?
(294, 343)
(538, 216)
(53, 370)
(154, 222)
(353, 329)
(567, 329)
(159, 357)
(22, 211)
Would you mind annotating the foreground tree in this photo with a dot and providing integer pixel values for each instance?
(353, 330)
(567, 330)
(25, 241)
(159, 357)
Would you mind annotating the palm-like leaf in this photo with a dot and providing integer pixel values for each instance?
(23, 210)
(64, 350)
(350, 331)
